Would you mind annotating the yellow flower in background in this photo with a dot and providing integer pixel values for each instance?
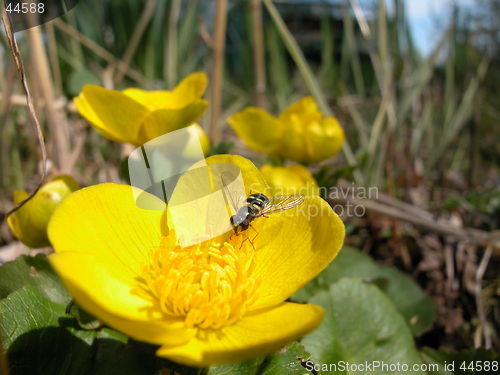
(136, 116)
(29, 223)
(218, 301)
(293, 179)
(301, 133)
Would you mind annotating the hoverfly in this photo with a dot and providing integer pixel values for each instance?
(256, 205)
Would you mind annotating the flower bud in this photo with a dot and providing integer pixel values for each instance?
(29, 223)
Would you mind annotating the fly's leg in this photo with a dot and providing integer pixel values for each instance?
(253, 240)
(249, 240)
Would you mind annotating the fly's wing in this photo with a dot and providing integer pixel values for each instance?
(234, 190)
(282, 203)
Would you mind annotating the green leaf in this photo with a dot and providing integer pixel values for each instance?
(35, 271)
(472, 361)
(286, 362)
(361, 327)
(410, 300)
(35, 334)
(25, 310)
(42, 339)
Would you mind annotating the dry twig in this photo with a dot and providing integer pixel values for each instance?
(101, 52)
(399, 211)
(31, 110)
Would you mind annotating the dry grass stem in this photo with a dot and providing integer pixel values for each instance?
(54, 60)
(217, 68)
(360, 17)
(56, 118)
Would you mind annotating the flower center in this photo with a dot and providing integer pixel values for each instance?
(209, 284)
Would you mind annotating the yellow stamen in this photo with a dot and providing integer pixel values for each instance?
(209, 284)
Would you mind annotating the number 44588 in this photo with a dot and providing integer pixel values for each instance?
(480, 366)
(26, 8)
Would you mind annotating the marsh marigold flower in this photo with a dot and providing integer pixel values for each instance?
(136, 116)
(292, 179)
(29, 223)
(301, 132)
(220, 300)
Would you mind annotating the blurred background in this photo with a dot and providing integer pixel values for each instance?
(413, 83)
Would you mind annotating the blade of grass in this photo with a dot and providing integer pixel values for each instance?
(423, 125)
(378, 124)
(279, 76)
(420, 79)
(328, 67)
(350, 102)
(259, 61)
(463, 113)
(140, 27)
(172, 46)
(352, 49)
(188, 33)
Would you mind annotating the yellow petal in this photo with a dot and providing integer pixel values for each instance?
(254, 182)
(294, 144)
(293, 179)
(281, 180)
(259, 333)
(257, 129)
(293, 247)
(190, 89)
(305, 109)
(333, 137)
(114, 301)
(162, 121)
(306, 177)
(105, 221)
(114, 115)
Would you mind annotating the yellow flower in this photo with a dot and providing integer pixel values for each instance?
(220, 300)
(293, 179)
(29, 223)
(301, 132)
(136, 116)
